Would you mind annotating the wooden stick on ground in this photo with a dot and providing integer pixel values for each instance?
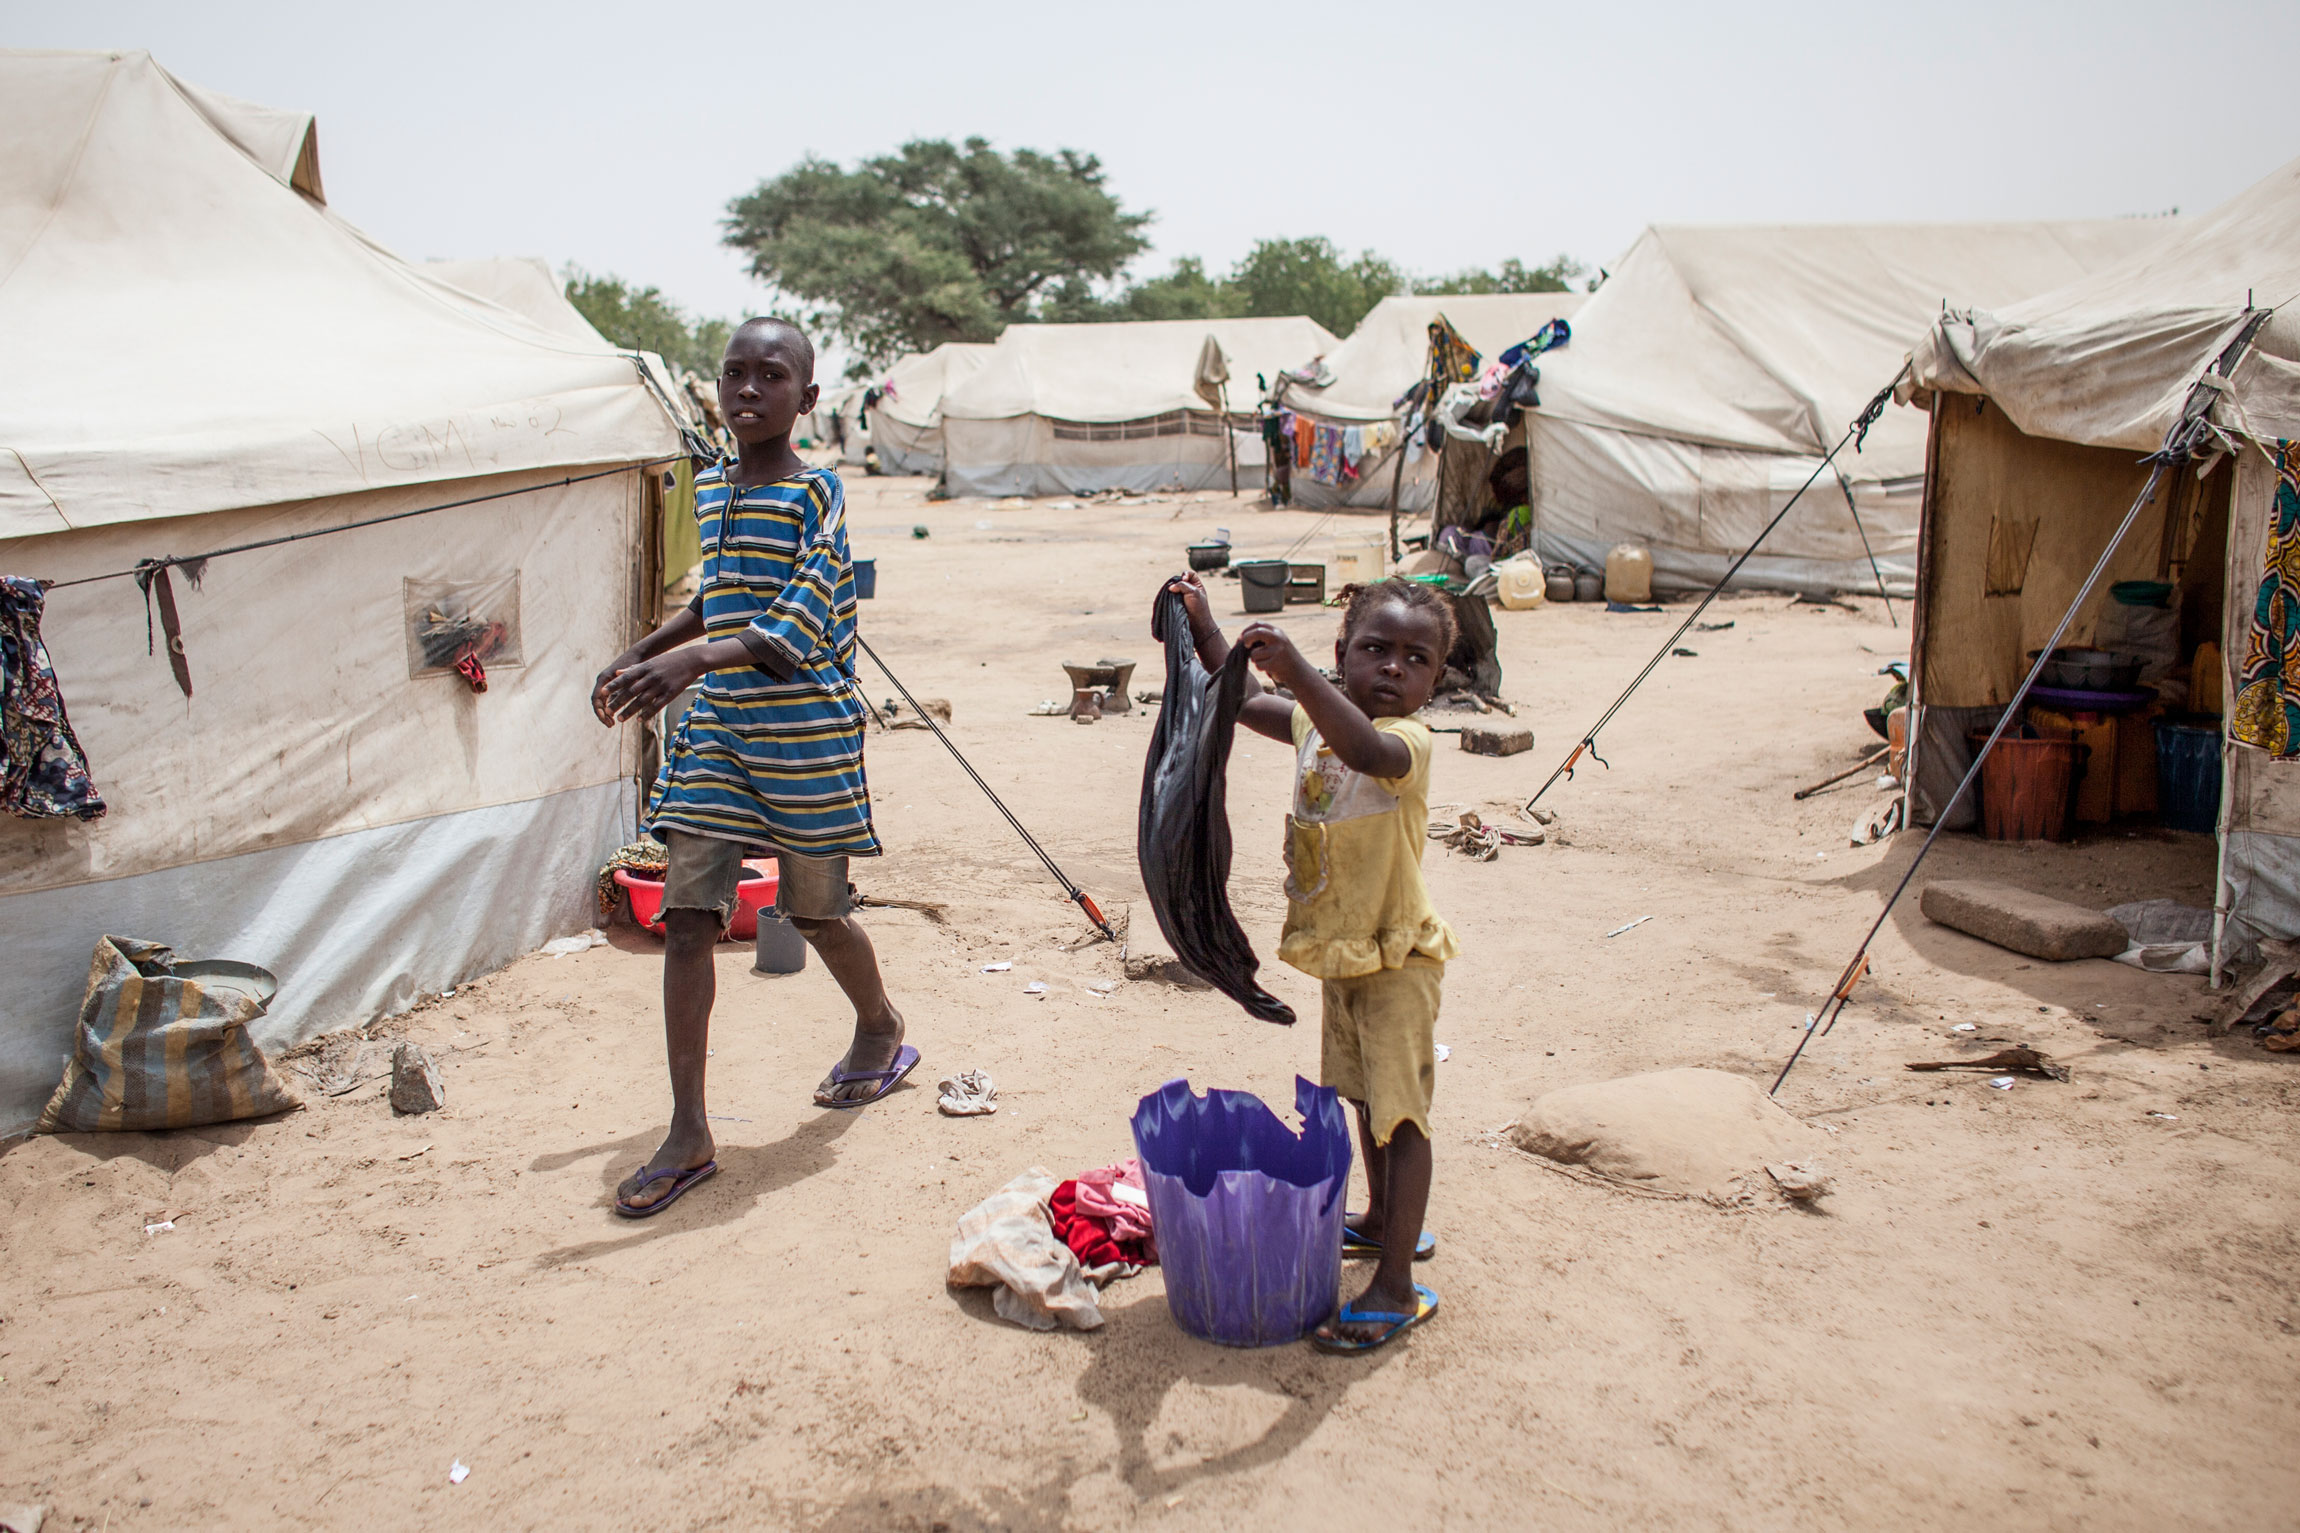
(1857, 767)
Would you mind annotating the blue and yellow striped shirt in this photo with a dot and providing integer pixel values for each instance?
(757, 759)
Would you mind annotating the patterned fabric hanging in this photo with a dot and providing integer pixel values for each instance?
(2267, 711)
(43, 772)
(1452, 359)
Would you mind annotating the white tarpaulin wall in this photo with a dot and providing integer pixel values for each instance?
(906, 424)
(2086, 378)
(1076, 408)
(1737, 357)
(1385, 356)
(365, 832)
(525, 286)
(839, 421)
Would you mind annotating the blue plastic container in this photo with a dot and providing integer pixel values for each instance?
(866, 579)
(1248, 1214)
(2188, 776)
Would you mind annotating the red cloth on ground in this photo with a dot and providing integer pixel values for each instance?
(1116, 1196)
(1089, 1237)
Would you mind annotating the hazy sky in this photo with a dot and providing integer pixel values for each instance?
(612, 136)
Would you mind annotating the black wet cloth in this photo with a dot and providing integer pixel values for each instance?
(1183, 843)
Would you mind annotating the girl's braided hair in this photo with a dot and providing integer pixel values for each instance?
(1358, 600)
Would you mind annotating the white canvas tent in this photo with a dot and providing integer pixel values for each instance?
(525, 286)
(840, 423)
(2040, 413)
(203, 355)
(906, 423)
(1385, 356)
(1076, 408)
(1711, 372)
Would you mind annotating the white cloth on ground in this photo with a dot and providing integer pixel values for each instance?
(1008, 1241)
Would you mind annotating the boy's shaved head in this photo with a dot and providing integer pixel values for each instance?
(788, 334)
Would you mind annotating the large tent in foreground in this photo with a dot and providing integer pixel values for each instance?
(1076, 408)
(1384, 357)
(525, 286)
(906, 405)
(326, 799)
(2041, 415)
(1709, 375)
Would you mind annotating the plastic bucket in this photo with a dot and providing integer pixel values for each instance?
(2188, 776)
(866, 579)
(2026, 787)
(1264, 582)
(1359, 561)
(753, 894)
(781, 950)
(1248, 1214)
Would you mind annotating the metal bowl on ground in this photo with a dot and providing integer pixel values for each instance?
(2082, 669)
(1209, 556)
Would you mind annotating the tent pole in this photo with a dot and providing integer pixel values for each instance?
(1846, 485)
(1229, 437)
(1397, 478)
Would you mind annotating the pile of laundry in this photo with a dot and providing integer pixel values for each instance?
(1047, 1246)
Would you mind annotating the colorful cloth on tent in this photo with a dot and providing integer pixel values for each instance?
(43, 771)
(2267, 711)
(1548, 338)
(759, 759)
(1305, 437)
(1326, 455)
(1452, 359)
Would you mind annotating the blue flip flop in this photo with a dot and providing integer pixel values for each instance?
(1356, 1244)
(1426, 1306)
(905, 1061)
(680, 1182)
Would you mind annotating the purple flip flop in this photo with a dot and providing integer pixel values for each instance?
(680, 1182)
(905, 1061)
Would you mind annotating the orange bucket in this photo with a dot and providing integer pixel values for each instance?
(2027, 785)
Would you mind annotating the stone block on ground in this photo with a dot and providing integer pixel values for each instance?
(2035, 925)
(415, 1083)
(1479, 740)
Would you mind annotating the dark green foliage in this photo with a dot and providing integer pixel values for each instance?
(935, 242)
(642, 319)
(1514, 277)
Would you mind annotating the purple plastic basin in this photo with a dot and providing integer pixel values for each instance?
(1248, 1213)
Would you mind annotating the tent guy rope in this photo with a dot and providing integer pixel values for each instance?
(1078, 896)
(2188, 435)
(1856, 433)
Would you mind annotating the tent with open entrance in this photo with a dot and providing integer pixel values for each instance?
(2041, 413)
(906, 419)
(1712, 371)
(1387, 354)
(205, 356)
(1061, 409)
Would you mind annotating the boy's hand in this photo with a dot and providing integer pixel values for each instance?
(615, 667)
(1273, 653)
(644, 688)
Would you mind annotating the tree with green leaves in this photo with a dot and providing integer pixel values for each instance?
(642, 319)
(1513, 277)
(935, 242)
(1311, 276)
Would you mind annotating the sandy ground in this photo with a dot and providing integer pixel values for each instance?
(2025, 1309)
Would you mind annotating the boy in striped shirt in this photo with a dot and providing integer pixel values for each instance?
(770, 757)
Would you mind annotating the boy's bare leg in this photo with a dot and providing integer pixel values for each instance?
(845, 949)
(690, 985)
(1405, 1194)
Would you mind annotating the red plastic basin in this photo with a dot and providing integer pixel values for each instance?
(754, 894)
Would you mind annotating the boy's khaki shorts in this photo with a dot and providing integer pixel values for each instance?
(705, 870)
(1380, 1043)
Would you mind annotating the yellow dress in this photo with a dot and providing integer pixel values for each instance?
(1355, 900)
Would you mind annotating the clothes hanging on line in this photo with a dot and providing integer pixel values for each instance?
(1548, 338)
(2267, 711)
(43, 772)
(1326, 455)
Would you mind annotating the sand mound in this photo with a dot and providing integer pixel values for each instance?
(1685, 1131)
